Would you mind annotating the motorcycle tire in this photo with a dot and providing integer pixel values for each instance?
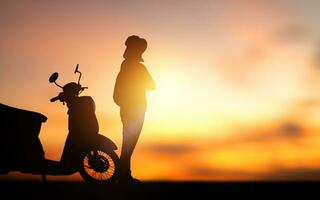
(99, 166)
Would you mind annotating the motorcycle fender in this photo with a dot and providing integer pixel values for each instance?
(106, 142)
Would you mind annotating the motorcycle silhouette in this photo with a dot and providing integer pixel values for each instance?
(86, 151)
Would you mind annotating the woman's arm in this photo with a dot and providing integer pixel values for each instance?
(148, 80)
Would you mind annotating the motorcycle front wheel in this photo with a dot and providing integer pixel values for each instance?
(99, 166)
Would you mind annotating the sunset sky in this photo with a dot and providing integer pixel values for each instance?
(238, 81)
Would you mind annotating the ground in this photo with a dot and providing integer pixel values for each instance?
(158, 190)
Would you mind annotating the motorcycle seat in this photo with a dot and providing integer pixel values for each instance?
(9, 111)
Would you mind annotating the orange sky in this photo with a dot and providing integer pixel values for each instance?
(237, 81)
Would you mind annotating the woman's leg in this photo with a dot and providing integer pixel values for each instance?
(132, 127)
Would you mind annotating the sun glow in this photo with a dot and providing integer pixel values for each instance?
(180, 101)
(196, 102)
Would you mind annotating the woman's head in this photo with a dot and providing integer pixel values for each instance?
(135, 47)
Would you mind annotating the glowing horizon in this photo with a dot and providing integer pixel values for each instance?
(236, 82)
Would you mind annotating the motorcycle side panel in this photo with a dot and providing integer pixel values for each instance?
(20, 145)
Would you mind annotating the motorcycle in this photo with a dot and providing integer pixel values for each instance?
(86, 151)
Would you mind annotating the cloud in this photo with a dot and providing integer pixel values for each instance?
(204, 171)
(290, 129)
(300, 174)
(207, 171)
(289, 132)
(308, 103)
(212, 173)
(170, 148)
(317, 57)
(293, 33)
(285, 130)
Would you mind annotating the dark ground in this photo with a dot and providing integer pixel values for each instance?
(160, 190)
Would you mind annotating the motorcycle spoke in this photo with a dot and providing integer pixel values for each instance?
(105, 160)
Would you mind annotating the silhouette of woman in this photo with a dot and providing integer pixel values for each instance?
(131, 85)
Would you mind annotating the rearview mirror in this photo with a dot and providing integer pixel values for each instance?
(76, 70)
(53, 77)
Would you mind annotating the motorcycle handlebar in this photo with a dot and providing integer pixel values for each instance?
(54, 99)
(58, 97)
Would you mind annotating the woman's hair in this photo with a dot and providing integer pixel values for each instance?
(135, 47)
